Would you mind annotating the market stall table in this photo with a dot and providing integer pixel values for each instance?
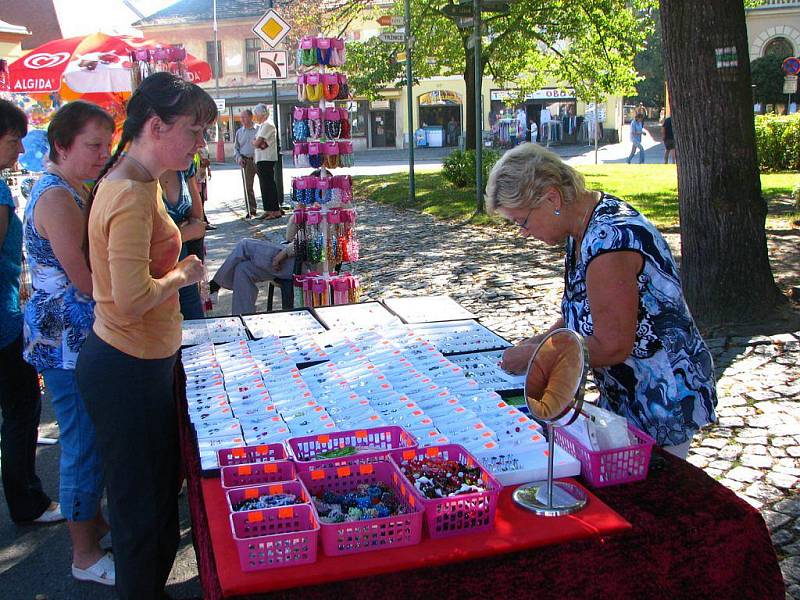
(690, 537)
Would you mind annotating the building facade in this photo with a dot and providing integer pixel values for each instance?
(439, 102)
(774, 28)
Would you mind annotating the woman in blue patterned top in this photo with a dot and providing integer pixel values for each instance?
(182, 200)
(622, 292)
(20, 398)
(59, 316)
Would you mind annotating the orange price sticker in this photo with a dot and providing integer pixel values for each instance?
(478, 426)
(408, 454)
(262, 449)
(361, 434)
(251, 493)
(323, 439)
(343, 472)
(270, 468)
(275, 489)
(245, 470)
(318, 474)
(238, 452)
(255, 517)
(285, 512)
(367, 469)
(431, 451)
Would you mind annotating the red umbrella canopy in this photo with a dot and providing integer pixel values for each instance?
(96, 63)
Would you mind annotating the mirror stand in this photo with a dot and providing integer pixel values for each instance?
(550, 498)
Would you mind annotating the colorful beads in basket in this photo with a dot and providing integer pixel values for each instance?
(435, 477)
(365, 502)
(266, 501)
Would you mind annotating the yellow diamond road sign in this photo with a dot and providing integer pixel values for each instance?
(271, 28)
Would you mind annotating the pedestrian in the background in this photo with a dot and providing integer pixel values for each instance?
(534, 132)
(244, 153)
(59, 316)
(669, 140)
(202, 163)
(20, 398)
(637, 130)
(266, 156)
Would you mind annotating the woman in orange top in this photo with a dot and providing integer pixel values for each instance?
(125, 368)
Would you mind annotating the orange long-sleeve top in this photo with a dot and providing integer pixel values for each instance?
(132, 244)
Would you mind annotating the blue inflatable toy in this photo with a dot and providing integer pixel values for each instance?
(36, 149)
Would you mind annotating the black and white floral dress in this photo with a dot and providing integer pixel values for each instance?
(666, 385)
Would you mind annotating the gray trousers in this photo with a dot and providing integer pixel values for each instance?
(248, 264)
(249, 176)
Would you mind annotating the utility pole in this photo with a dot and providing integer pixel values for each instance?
(410, 105)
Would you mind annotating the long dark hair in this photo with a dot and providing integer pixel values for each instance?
(163, 95)
(12, 119)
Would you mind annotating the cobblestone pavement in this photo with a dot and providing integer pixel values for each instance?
(515, 286)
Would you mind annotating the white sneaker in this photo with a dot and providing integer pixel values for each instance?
(50, 516)
(101, 572)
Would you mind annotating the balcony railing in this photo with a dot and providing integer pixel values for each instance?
(778, 4)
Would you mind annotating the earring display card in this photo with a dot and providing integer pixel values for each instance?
(217, 331)
(484, 367)
(427, 309)
(459, 337)
(365, 315)
(282, 324)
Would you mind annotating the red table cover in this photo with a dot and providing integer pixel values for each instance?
(515, 529)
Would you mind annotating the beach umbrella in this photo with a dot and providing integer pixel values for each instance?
(99, 63)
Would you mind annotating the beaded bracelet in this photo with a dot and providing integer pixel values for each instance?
(324, 56)
(300, 131)
(315, 128)
(333, 129)
(344, 124)
(331, 161)
(345, 160)
(344, 91)
(314, 93)
(331, 91)
(316, 160)
(308, 57)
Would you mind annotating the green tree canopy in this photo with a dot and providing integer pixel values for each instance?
(767, 76)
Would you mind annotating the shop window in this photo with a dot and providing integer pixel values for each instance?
(251, 49)
(780, 47)
(359, 113)
(214, 59)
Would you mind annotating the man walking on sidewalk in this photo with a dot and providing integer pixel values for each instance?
(243, 152)
(637, 130)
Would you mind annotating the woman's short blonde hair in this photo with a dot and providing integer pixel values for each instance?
(519, 178)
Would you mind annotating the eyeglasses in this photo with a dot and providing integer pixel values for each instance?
(524, 225)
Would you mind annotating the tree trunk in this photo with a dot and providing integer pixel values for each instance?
(725, 266)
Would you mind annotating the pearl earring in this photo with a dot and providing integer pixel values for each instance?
(557, 213)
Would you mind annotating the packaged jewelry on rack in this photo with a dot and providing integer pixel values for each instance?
(324, 213)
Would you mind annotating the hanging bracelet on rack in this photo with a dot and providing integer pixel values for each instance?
(333, 129)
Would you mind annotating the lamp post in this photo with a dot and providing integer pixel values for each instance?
(220, 141)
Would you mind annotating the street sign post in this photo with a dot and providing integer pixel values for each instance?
(392, 38)
(271, 28)
(273, 64)
(391, 21)
(790, 84)
(220, 102)
(466, 10)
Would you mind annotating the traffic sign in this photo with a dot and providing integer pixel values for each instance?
(465, 10)
(391, 21)
(401, 57)
(392, 38)
(273, 64)
(271, 28)
(790, 84)
(220, 102)
(791, 66)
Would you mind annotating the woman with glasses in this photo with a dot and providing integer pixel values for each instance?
(622, 293)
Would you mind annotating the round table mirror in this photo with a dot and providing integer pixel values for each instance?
(554, 386)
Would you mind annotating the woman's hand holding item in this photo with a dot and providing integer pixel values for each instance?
(516, 359)
(191, 268)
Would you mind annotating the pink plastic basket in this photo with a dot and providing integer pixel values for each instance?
(257, 473)
(251, 454)
(379, 440)
(295, 487)
(610, 467)
(372, 534)
(466, 513)
(276, 537)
